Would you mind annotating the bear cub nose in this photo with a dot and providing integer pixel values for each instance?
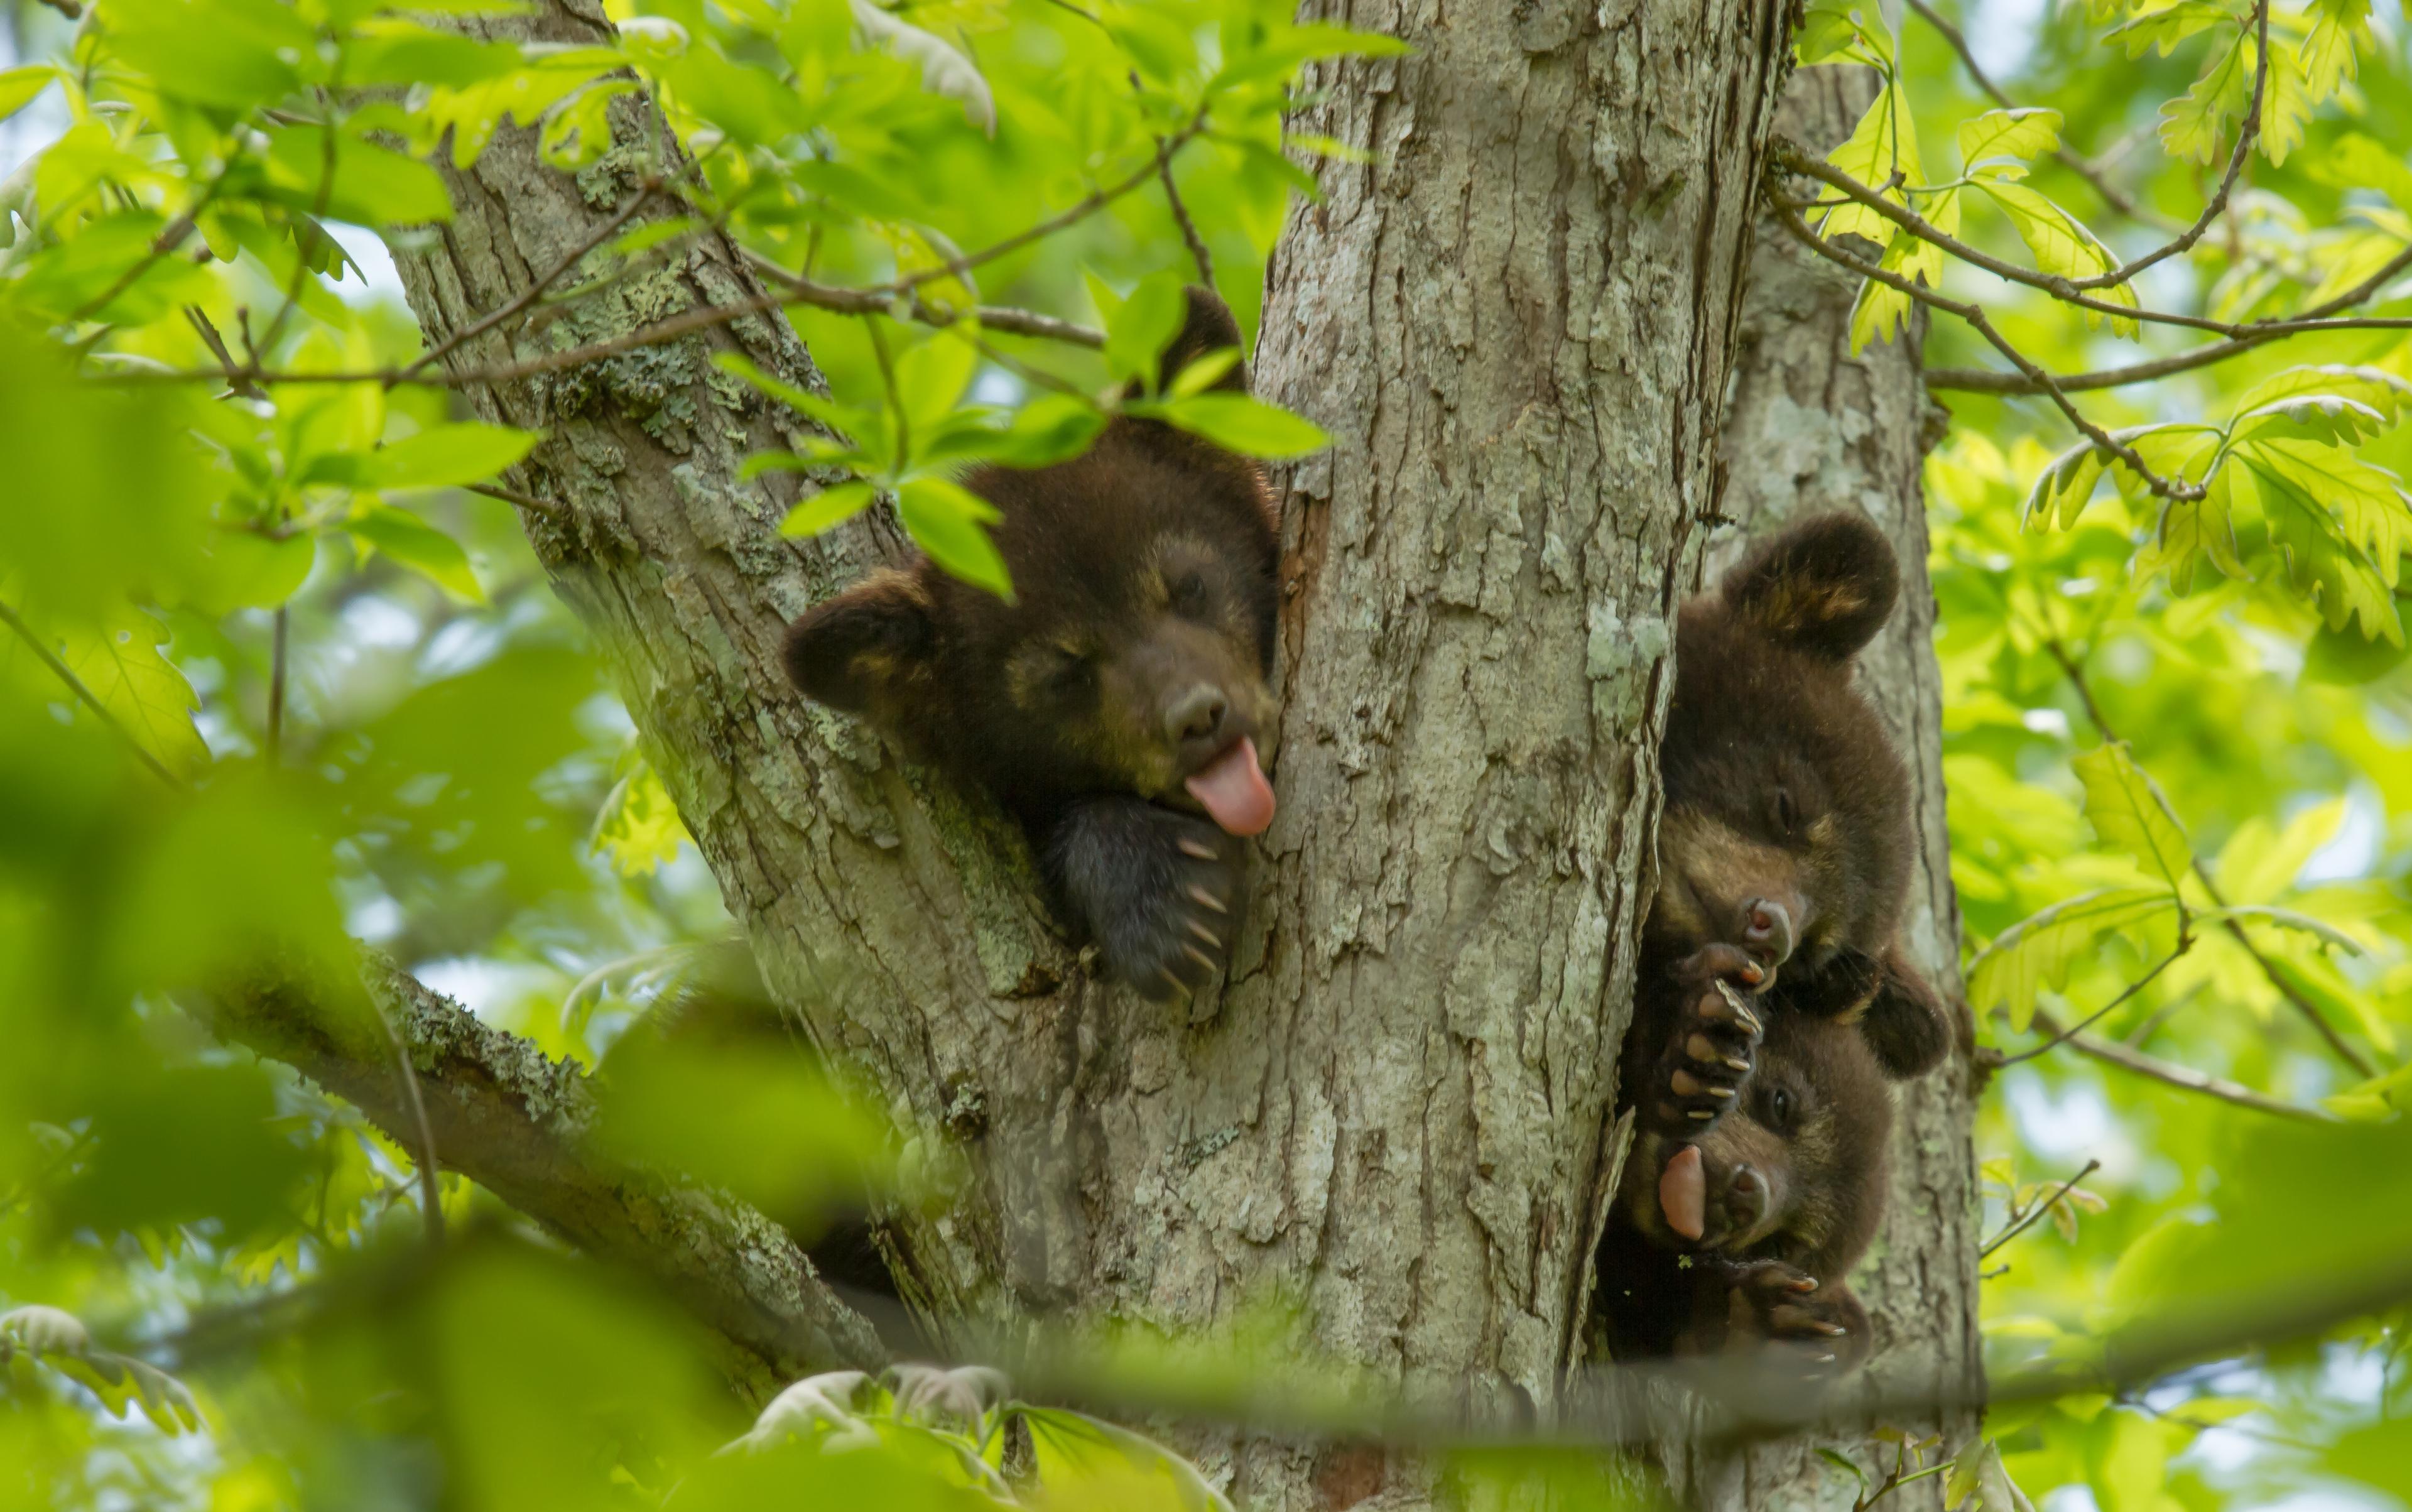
(1198, 718)
(1745, 1201)
(1767, 929)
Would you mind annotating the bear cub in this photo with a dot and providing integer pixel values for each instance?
(1112, 707)
(1773, 1005)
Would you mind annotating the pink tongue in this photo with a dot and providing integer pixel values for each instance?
(1234, 791)
(1684, 1193)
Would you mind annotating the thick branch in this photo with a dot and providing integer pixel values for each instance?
(516, 1123)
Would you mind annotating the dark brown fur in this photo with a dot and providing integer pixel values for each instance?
(1143, 582)
(1785, 853)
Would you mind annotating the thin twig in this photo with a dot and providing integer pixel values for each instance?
(276, 689)
(216, 343)
(75, 685)
(2020, 1222)
(535, 291)
(318, 224)
(2088, 168)
(2127, 1057)
(165, 243)
(1974, 316)
(430, 1190)
(1983, 381)
(1791, 158)
(1198, 252)
(1166, 149)
(525, 501)
(2097, 1015)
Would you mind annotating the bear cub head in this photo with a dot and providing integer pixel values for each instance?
(1131, 666)
(1787, 830)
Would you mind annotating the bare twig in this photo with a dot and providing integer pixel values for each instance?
(1975, 315)
(2088, 168)
(2021, 1221)
(86, 696)
(216, 343)
(525, 501)
(2184, 943)
(170, 238)
(2127, 1057)
(276, 687)
(1981, 381)
(1791, 158)
(1198, 252)
(535, 291)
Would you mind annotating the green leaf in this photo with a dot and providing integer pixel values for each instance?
(236, 54)
(2330, 53)
(945, 71)
(2129, 811)
(357, 181)
(447, 456)
(827, 509)
(931, 379)
(2369, 502)
(2164, 28)
(2061, 244)
(2039, 949)
(1049, 429)
(2193, 124)
(2375, 388)
(950, 523)
(2356, 161)
(2319, 558)
(1140, 328)
(419, 546)
(2284, 106)
(17, 86)
(1884, 144)
(2026, 132)
(2259, 862)
(2290, 918)
(638, 828)
(2323, 420)
(119, 661)
(1072, 1448)
(1834, 31)
(1240, 424)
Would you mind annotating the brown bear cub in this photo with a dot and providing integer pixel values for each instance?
(1773, 1005)
(1113, 705)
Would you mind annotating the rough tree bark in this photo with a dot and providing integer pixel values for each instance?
(1812, 427)
(1516, 321)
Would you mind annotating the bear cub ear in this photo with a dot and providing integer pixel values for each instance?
(1827, 585)
(1905, 1022)
(1208, 326)
(867, 650)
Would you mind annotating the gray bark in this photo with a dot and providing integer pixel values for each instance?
(1812, 427)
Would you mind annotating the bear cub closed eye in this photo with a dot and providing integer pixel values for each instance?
(1772, 1003)
(1113, 707)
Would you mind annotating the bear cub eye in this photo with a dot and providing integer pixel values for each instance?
(1187, 592)
(1780, 1109)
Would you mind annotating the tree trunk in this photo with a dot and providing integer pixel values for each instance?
(1812, 427)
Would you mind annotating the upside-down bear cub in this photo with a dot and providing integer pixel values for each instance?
(1773, 1005)
(1114, 705)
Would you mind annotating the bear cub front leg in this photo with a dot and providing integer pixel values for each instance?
(1709, 1055)
(1156, 890)
(1812, 1330)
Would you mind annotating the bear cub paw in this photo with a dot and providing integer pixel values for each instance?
(1157, 889)
(1811, 1329)
(1715, 1047)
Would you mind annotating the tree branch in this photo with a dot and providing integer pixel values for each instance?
(1790, 218)
(516, 1123)
(2186, 1079)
